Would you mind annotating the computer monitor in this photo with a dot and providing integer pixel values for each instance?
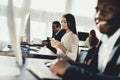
(25, 32)
(83, 35)
(12, 33)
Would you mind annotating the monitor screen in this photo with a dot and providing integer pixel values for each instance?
(83, 35)
(25, 32)
(12, 33)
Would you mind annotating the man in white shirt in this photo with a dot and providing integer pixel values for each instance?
(105, 64)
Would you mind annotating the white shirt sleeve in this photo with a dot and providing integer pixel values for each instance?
(70, 42)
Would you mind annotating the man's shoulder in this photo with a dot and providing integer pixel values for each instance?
(62, 31)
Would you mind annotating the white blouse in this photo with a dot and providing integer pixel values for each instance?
(70, 41)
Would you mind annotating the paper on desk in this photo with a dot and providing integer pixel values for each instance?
(43, 51)
(36, 41)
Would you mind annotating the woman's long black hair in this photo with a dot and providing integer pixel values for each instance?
(71, 22)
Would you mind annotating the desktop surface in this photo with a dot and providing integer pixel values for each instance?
(40, 68)
(25, 73)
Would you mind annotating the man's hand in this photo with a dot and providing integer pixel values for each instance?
(44, 42)
(59, 66)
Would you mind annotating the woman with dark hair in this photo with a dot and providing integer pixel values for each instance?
(91, 43)
(92, 40)
(71, 22)
(68, 46)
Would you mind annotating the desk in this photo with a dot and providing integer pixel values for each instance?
(7, 53)
(44, 53)
(25, 74)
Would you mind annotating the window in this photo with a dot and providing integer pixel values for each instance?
(49, 5)
(4, 34)
(18, 22)
(38, 30)
(49, 29)
(18, 3)
(3, 2)
(84, 8)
